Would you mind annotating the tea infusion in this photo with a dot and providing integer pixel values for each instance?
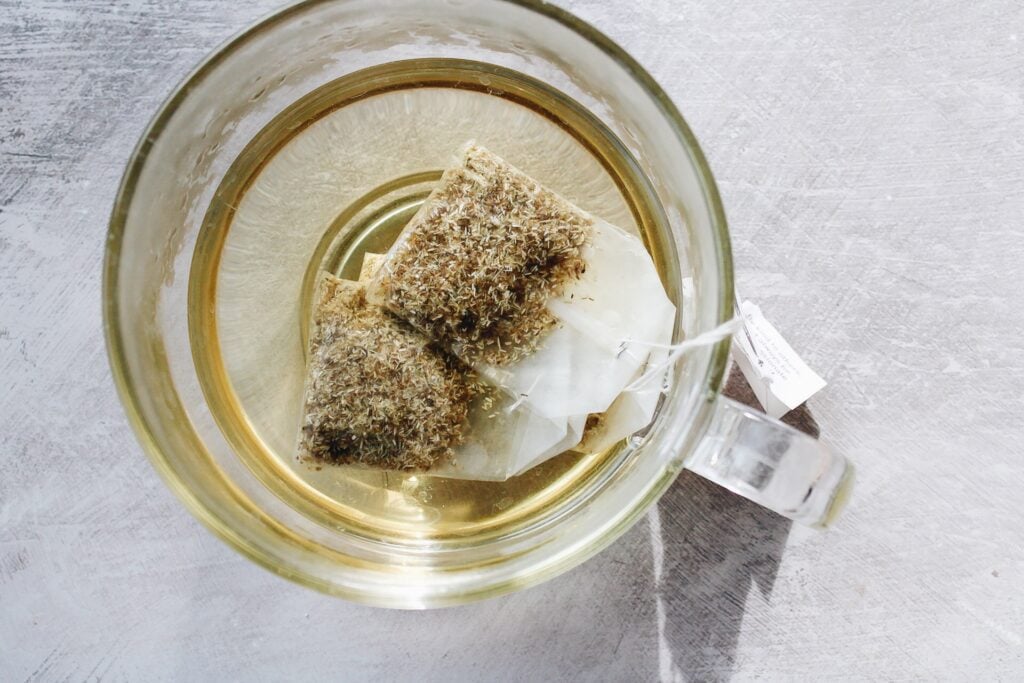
(341, 174)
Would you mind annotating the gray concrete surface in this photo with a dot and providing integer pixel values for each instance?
(871, 156)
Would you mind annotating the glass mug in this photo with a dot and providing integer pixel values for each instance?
(352, 540)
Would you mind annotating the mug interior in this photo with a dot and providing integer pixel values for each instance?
(173, 179)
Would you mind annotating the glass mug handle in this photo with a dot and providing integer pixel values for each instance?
(772, 464)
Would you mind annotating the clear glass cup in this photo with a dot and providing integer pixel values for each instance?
(171, 181)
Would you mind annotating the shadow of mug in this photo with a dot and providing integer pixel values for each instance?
(715, 548)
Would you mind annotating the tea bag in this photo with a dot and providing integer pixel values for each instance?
(556, 315)
(379, 394)
(557, 307)
(609, 318)
(376, 392)
(634, 408)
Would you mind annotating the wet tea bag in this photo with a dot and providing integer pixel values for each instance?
(558, 308)
(381, 395)
(377, 393)
(634, 408)
(558, 321)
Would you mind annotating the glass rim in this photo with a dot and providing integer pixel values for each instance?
(128, 392)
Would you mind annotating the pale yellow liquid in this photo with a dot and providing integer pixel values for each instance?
(339, 174)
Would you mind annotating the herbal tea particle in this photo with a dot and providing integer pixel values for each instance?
(377, 393)
(369, 379)
(557, 307)
(477, 265)
(503, 436)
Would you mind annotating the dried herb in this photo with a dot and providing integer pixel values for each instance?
(481, 258)
(377, 392)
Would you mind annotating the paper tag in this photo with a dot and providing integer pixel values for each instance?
(781, 380)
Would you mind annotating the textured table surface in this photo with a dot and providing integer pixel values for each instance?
(871, 156)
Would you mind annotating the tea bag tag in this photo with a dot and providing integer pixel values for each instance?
(781, 380)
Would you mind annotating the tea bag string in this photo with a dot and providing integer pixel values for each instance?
(677, 351)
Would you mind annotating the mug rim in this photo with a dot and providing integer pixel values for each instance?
(114, 334)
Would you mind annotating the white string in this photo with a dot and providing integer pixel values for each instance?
(522, 397)
(677, 351)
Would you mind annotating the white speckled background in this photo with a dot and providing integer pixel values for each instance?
(871, 156)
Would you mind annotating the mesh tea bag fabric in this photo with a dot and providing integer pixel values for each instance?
(381, 395)
(512, 325)
(376, 393)
(609, 318)
(556, 307)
